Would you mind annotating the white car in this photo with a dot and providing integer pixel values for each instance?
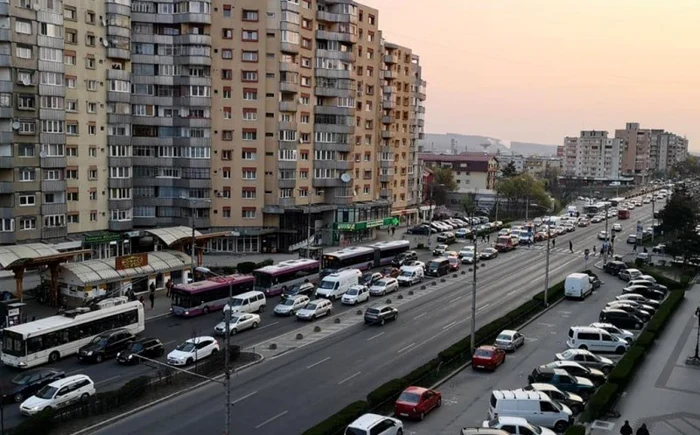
(290, 305)
(603, 235)
(466, 250)
(614, 331)
(355, 295)
(239, 322)
(193, 349)
(509, 340)
(315, 309)
(516, 425)
(617, 227)
(384, 286)
(468, 258)
(59, 393)
(416, 263)
(640, 299)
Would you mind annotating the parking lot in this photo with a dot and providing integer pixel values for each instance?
(466, 396)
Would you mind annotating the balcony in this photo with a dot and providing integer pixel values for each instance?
(120, 183)
(391, 58)
(343, 200)
(333, 92)
(53, 162)
(287, 202)
(327, 182)
(288, 125)
(54, 232)
(386, 164)
(287, 47)
(121, 225)
(286, 183)
(389, 74)
(338, 147)
(386, 193)
(333, 73)
(386, 178)
(118, 53)
(388, 119)
(388, 89)
(6, 187)
(8, 238)
(334, 110)
(290, 87)
(57, 208)
(287, 164)
(342, 165)
(336, 36)
(345, 56)
(53, 185)
(387, 134)
(288, 106)
(334, 128)
(330, 17)
(289, 67)
(388, 105)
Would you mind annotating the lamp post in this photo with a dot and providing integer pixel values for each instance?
(653, 227)
(607, 237)
(474, 235)
(227, 337)
(546, 263)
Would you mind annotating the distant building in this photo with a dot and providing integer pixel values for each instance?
(666, 149)
(592, 155)
(471, 171)
(538, 166)
(636, 144)
(560, 151)
(517, 159)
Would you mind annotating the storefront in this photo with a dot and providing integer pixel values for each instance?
(109, 245)
(357, 232)
(115, 276)
(406, 217)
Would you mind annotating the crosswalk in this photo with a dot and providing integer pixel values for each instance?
(559, 249)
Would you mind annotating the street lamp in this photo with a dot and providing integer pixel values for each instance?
(473, 332)
(227, 337)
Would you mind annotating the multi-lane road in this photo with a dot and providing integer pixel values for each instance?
(292, 391)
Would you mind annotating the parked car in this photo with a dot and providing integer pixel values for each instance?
(488, 358)
(105, 345)
(639, 298)
(370, 424)
(621, 319)
(290, 305)
(447, 237)
(423, 230)
(629, 274)
(58, 394)
(614, 267)
(463, 233)
(516, 425)
(629, 308)
(586, 358)
(509, 340)
(380, 313)
(440, 250)
(416, 402)
(150, 348)
(384, 286)
(404, 258)
(573, 401)
(305, 288)
(315, 309)
(27, 383)
(369, 278)
(647, 292)
(563, 380)
(649, 309)
(356, 295)
(488, 254)
(613, 330)
(642, 280)
(575, 369)
(193, 349)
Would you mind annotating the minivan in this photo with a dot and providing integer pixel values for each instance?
(375, 424)
(438, 267)
(58, 394)
(534, 406)
(595, 340)
(335, 285)
(248, 302)
(620, 318)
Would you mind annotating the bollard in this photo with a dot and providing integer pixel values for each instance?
(358, 312)
(337, 320)
(399, 297)
(317, 329)
(273, 346)
(388, 301)
(300, 337)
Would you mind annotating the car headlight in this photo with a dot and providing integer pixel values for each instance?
(130, 357)
(89, 353)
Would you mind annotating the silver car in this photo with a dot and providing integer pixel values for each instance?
(509, 340)
(290, 305)
(239, 322)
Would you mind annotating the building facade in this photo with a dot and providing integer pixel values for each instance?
(592, 155)
(276, 121)
(470, 171)
(540, 166)
(518, 161)
(666, 149)
(636, 147)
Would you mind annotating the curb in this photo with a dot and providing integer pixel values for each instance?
(111, 420)
(465, 365)
(159, 316)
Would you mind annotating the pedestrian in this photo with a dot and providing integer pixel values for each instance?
(131, 295)
(168, 287)
(529, 243)
(571, 246)
(626, 429)
(553, 242)
(634, 247)
(488, 237)
(142, 301)
(152, 294)
(643, 430)
(594, 251)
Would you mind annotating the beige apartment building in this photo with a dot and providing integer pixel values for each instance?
(666, 149)
(636, 151)
(274, 120)
(593, 155)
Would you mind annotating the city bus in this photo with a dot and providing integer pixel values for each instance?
(274, 280)
(212, 294)
(384, 252)
(352, 257)
(52, 338)
(594, 209)
(617, 201)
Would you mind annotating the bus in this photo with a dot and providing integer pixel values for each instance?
(49, 339)
(202, 297)
(623, 213)
(352, 257)
(274, 280)
(384, 252)
(594, 209)
(617, 201)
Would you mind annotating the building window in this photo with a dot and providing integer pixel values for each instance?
(250, 15)
(69, 59)
(306, 43)
(248, 193)
(69, 13)
(227, 135)
(226, 74)
(90, 40)
(250, 94)
(226, 92)
(72, 128)
(248, 155)
(226, 154)
(250, 35)
(93, 215)
(227, 53)
(249, 76)
(90, 17)
(27, 127)
(306, 62)
(249, 56)
(92, 174)
(71, 174)
(250, 174)
(227, 11)
(26, 174)
(249, 134)
(71, 36)
(250, 114)
(24, 27)
(27, 200)
(226, 212)
(227, 113)
(93, 195)
(226, 173)
(73, 218)
(227, 33)
(248, 213)
(27, 223)
(23, 52)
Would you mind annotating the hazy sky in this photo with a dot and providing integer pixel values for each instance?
(539, 70)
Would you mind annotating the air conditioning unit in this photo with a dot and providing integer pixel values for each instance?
(219, 195)
(301, 101)
(104, 22)
(301, 140)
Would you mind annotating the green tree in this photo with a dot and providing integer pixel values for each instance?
(687, 246)
(469, 204)
(689, 167)
(680, 215)
(509, 170)
(443, 182)
(521, 190)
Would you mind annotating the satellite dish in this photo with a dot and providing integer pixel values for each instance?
(105, 43)
(42, 154)
(37, 7)
(15, 125)
(346, 178)
(26, 81)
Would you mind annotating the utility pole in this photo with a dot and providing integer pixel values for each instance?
(194, 244)
(527, 208)
(308, 226)
(496, 206)
(653, 227)
(473, 334)
(546, 264)
(608, 238)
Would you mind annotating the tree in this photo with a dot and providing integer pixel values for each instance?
(680, 215)
(687, 245)
(689, 167)
(443, 182)
(521, 190)
(509, 170)
(469, 204)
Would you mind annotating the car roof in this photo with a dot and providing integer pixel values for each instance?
(486, 347)
(416, 390)
(142, 340)
(541, 386)
(304, 296)
(367, 420)
(483, 431)
(614, 310)
(58, 383)
(198, 339)
(508, 331)
(512, 420)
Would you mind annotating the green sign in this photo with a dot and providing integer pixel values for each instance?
(345, 227)
(102, 238)
(357, 226)
(392, 221)
(375, 223)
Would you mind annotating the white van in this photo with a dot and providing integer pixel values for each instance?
(595, 340)
(248, 302)
(578, 286)
(410, 275)
(534, 406)
(335, 285)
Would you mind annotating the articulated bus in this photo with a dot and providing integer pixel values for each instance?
(617, 201)
(274, 280)
(594, 209)
(364, 257)
(52, 338)
(202, 297)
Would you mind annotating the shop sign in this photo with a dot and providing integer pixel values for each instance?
(392, 221)
(131, 261)
(346, 227)
(102, 238)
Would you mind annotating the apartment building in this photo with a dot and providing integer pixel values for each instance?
(415, 170)
(471, 172)
(593, 155)
(272, 120)
(518, 161)
(543, 166)
(665, 150)
(636, 144)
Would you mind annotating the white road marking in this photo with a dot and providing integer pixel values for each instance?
(406, 348)
(242, 398)
(348, 378)
(108, 379)
(548, 325)
(456, 299)
(511, 293)
(449, 325)
(375, 336)
(419, 316)
(168, 343)
(318, 362)
(484, 307)
(267, 326)
(271, 419)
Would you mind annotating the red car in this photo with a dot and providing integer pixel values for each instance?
(454, 263)
(488, 358)
(415, 402)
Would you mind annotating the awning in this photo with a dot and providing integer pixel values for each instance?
(173, 235)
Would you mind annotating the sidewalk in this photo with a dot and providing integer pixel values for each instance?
(665, 391)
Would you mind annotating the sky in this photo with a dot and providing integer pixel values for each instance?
(540, 70)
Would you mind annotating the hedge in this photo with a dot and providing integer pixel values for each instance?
(624, 370)
(645, 340)
(41, 423)
(601, 400)
(386, 392)
(576, 429)
(668, 307)
(672, 284)
(422, 371)
(337, 422)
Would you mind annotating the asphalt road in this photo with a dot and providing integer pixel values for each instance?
(289, 393)
(466, 396)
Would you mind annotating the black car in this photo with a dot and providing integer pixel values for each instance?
(380, 314)
(644, 315)
(28, 383)
(614, 267)
(403, 258)
(647, 292)
(369, 278)
(424, 230)
(305, 288)
(106, 345)
(146, 347)
(620, 318)
(595, 281)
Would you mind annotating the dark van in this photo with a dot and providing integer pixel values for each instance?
(438, 267)
(614, 267)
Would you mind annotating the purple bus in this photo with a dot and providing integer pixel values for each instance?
(209, 295)
(274, 280)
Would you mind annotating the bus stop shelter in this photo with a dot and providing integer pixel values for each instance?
(183, 238)
(19, 258)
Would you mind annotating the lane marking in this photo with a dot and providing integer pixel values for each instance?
(406, 348)
(271, 419)
(108, 379)
(456, 299)
(511, 293)
(449, 325)
(484, 307)
(375, 336)
(348, 378)
(420, 315)
(242, 398)
(318, 362)
(168, 343)
(267, 326)
(73, 372)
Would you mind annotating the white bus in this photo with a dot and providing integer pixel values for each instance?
(364, 257)
(276, 279)
(384, 252)
(49, 339)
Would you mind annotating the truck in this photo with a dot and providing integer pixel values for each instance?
(504, 243)
(623, 213)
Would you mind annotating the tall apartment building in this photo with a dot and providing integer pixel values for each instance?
(636, 144)
(270, 119)
(593, 155)
(666, 149)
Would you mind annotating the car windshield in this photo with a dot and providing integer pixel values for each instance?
(294, 289)
(409, 397)
(237, 302)
(235, 319)
(135, 347)
(311, 307)
(453, 260)
(98, 340)
(536, 429)
(46, 393)
(352, 291)
(567, 354)
(405, 273)
(482, 353)
(327, 284)
(381, 283)
(504, 337)
(187, 346)
(366, 278)
(289, 302)
(23, 378)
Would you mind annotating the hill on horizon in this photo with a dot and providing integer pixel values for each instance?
(460, 143)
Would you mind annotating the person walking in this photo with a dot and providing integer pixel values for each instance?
(152, 294)
(571, 246)
(594, 251)
(626, 429)
(168, 288)
(643, 430)
(553, 242)
(634, 247)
